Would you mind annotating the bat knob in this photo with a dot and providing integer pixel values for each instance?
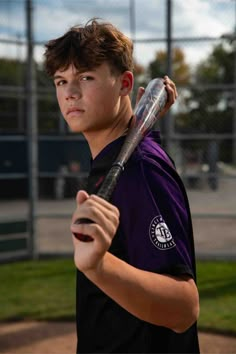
(82, 237)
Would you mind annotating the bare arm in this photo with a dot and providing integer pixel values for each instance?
(159, 299)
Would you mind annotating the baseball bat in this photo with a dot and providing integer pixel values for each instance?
(145, 116)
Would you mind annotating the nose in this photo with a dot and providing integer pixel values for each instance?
(73, 91)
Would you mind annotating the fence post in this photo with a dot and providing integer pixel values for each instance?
(31, 104)
(168, 121)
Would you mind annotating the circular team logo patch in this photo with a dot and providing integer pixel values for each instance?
(160, 234)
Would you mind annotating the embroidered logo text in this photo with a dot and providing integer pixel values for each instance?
(160, 234)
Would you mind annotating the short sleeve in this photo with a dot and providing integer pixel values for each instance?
(154, 218)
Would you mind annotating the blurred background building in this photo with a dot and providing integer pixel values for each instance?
(43, 164)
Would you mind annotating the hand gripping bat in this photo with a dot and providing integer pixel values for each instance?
(146, 114)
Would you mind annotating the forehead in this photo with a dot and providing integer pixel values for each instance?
(71, 70)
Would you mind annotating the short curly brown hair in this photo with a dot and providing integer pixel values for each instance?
(87, 47)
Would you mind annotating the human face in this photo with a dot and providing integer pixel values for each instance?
(89, 101)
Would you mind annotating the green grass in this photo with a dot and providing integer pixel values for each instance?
(37, 290)
(45, 290)
(217, 288)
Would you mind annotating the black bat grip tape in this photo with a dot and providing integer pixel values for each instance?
(104, 192)
(110, 181)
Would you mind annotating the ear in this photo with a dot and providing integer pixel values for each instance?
(127, 81)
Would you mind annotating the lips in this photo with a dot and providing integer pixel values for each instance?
(74, 109)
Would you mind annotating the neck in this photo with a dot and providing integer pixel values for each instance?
(98, 140)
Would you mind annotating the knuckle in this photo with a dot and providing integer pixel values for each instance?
(92, 197)
(113, 227)
(115, 219)
(92, 211)
(89, 202)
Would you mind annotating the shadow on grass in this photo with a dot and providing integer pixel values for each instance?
(218, 288)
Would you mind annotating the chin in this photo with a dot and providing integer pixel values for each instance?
(75, 129)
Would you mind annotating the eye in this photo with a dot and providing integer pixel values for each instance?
(60, 82)
(86, 78)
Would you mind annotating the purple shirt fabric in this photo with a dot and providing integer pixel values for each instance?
(155, 224)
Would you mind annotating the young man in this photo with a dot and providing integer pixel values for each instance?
(136, 290)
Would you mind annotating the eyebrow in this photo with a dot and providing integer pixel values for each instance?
(57, 77)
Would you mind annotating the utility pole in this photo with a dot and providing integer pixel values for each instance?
(132, 19)
(32, 133)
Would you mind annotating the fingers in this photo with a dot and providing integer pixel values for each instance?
(91, 206)
(171, 89)
(93, 231)
(88, 255)
(81, 196)
(98, 210)
(96, 236)
(172, 94)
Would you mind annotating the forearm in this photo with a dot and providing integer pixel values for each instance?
(159, 299)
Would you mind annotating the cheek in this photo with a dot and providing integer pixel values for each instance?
(110, 99)
(60, 101)
(102, 101)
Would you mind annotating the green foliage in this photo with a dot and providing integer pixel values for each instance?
(218, 67)
(213, 108)
(12, 72)
(210, 108)
(181, 70)
(203, 108)
(13, 105)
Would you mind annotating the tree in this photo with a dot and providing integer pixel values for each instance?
(180, 69)
(210, 103)
(12, 98)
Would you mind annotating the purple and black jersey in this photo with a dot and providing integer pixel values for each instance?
(155, 234)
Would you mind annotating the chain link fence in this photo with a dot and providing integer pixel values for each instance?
(199, 132)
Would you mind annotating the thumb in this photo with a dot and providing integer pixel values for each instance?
(81, 196)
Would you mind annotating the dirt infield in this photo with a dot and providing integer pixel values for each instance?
(60, 338)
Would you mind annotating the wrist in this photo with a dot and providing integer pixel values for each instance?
(95, 272)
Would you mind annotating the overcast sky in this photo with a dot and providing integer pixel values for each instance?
(191, 18)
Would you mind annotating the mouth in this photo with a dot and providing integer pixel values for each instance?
(74, 110)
